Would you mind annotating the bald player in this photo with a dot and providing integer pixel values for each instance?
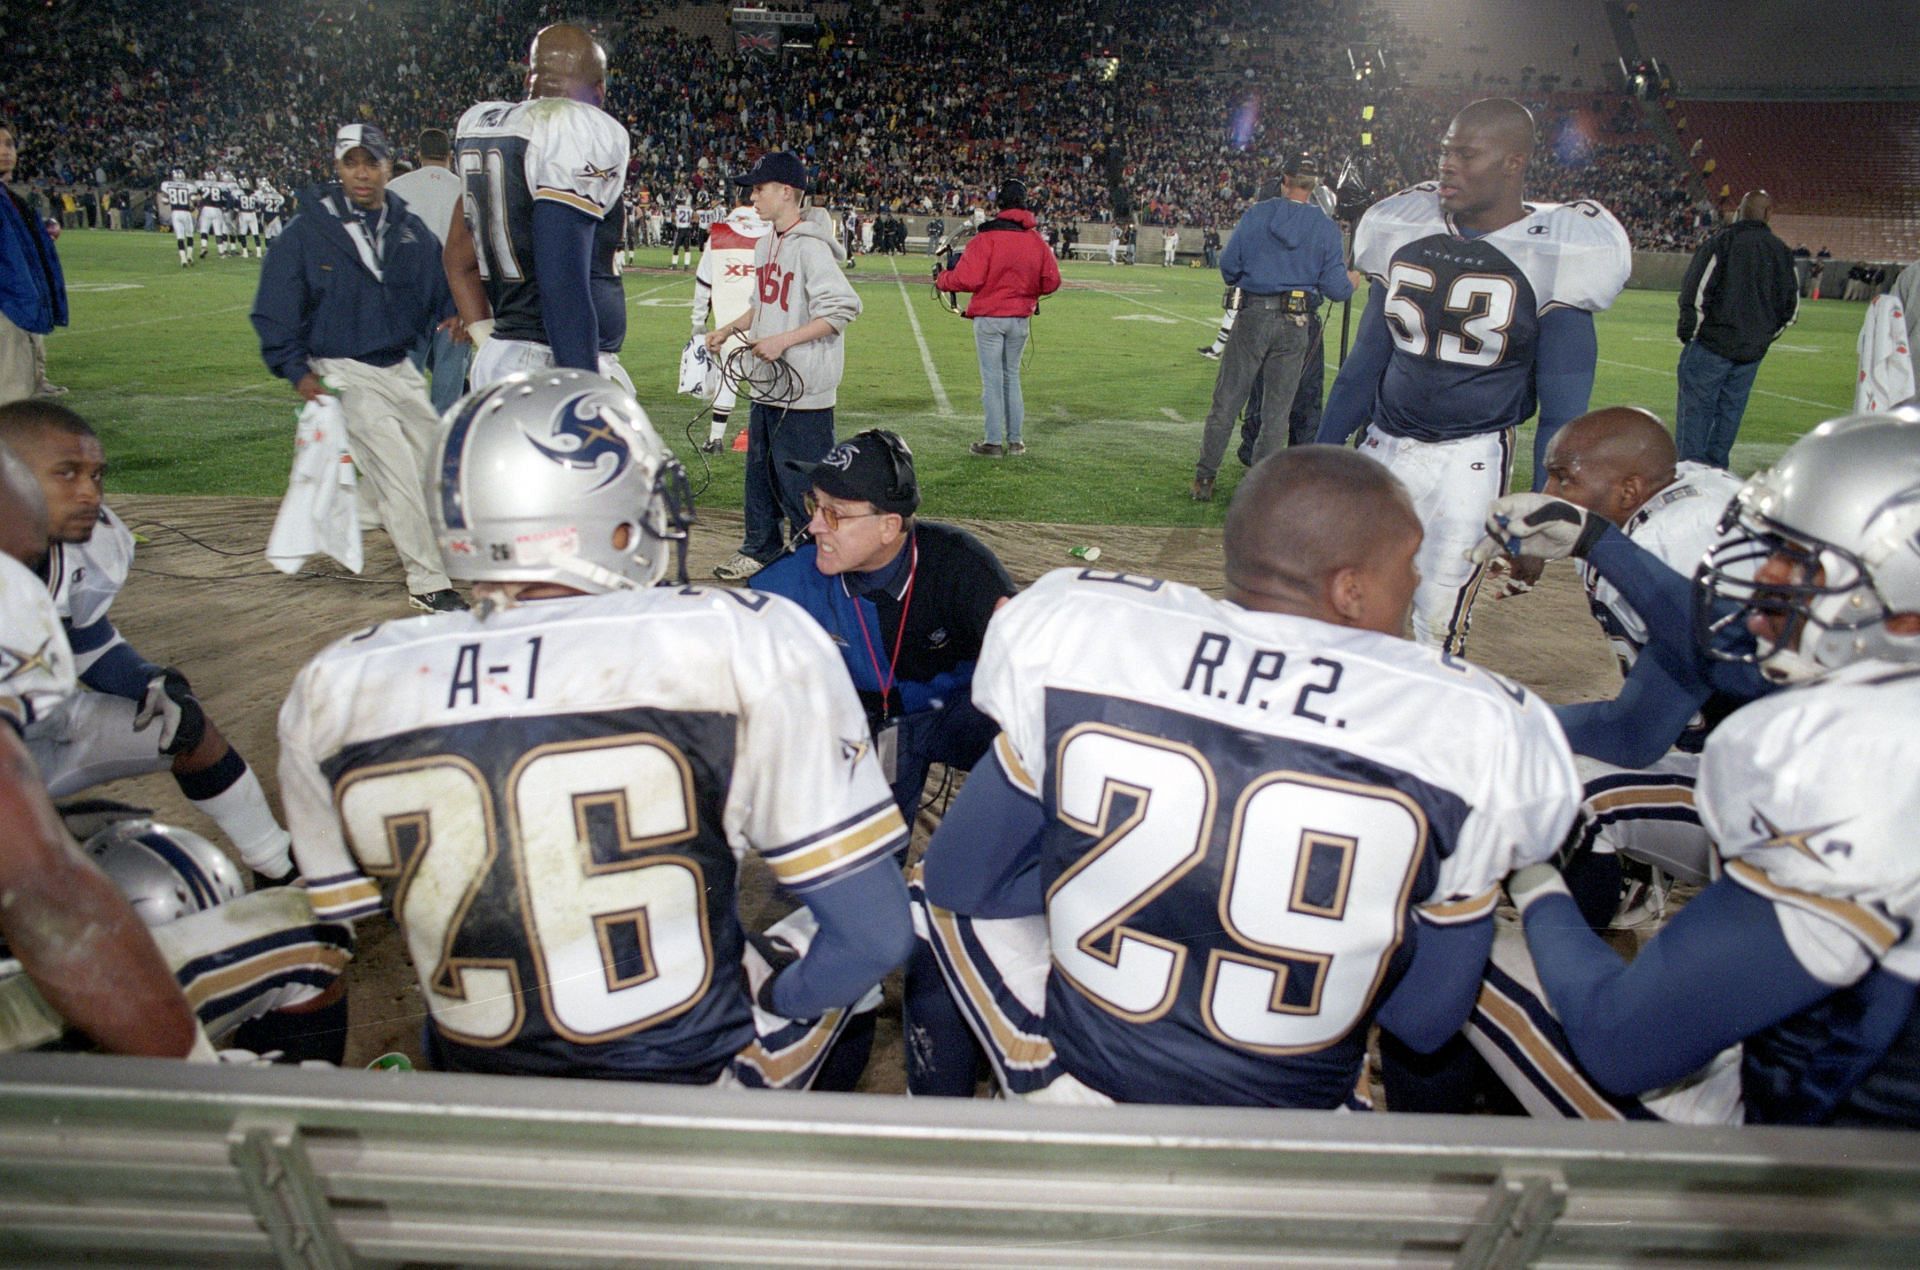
(1618, 465)
(531, 263)
(1216, 839)
(1481, 310)
(75, 936)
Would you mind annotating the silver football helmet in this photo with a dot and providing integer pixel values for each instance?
(1838, 517)
(165, 872)
(558, 476)
(178, 174)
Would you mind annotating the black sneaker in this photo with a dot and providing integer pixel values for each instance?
(446, 600)
(712, 447)
(265, 882)
(986, 449)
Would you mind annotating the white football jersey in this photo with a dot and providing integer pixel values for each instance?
(1811, 797)
(1678, 525)
(606, 678)
(36, 665)
(1237, 673)
(1573, 254)
(726, 263)
(85, 577)
(178, 195)
(574, 153)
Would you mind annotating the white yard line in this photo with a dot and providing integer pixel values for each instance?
(1778, 396)
(942, 403)
(1128, 299)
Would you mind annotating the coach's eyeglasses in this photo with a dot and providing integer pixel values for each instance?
(832, 516)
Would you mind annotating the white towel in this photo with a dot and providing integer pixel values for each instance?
(319, 513)
(1886, 367)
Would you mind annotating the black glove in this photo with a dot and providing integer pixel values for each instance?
(778, 954)
(170, 699)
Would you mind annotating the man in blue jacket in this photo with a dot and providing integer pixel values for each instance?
(350, 286)
(1284, 257)
(907, 601)
(33, 293)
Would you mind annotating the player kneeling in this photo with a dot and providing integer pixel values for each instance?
(1218, 838)
(557, 789)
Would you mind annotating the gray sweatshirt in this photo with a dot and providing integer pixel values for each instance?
(798, 278)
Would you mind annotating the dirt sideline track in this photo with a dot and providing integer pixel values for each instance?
(241, 630)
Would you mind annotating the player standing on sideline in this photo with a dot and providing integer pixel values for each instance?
(177, 193)
(85, 949)
(1802, 954)
(138, 717)
(802, 305)
(565, 820)
(1482, 307)
(1169, 246)
(723, 286)
(1008, 268)
(1170, 762)
(531, 263)
(682, 226)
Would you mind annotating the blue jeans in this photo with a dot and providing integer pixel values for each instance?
(776, 434)
(447, 364)
(1713, 396)
(999, 341)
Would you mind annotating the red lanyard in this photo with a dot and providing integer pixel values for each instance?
(899, 636)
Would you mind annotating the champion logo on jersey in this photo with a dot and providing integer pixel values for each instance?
(1537, 229)
(585, 437)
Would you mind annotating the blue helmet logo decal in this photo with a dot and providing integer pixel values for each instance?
(584, 437)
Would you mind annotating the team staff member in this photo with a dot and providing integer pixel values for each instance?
(33, 292)
(1737, 297)
(1284, 256)
(346, 291)
(906, 600)
(802, 304)
(1008, 268)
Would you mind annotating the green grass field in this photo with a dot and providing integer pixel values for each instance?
(163, 361)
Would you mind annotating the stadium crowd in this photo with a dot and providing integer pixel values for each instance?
(915, 111)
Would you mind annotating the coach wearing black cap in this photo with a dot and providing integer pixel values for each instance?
(1284, 257)
(907, 601)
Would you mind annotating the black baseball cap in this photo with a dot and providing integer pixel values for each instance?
(1302, 165)
(782, 166)
(1013, 193)
(871, 467)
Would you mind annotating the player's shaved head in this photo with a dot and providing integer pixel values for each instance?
(566, 61)
(1307, 522)
(1611, 460)
(23, 511)
(1756, 205)
(22, 423)
(1500, 120)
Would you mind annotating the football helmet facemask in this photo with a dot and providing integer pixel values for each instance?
(558, 476)
(1823, 548)
(165, 872)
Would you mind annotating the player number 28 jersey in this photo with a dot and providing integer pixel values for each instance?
(1243, 810)
(1464, 313)
(510, 155)
(556, 799)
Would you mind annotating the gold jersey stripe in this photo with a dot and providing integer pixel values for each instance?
(1586, 1101)
(883, 826)
(1873, 930)
(1011, 765)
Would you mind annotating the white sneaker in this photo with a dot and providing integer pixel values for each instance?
(741, 567)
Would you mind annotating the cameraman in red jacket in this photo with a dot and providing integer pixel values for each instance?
(1008, 268)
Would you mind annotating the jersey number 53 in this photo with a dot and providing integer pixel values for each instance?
(1484, 303)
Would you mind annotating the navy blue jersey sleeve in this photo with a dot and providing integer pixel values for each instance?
(1350, 400)
(1436, 994)
(865, 931)
(119, 671)
(563, 248)
(1634, 729)
(984, 860)
(1719, 972)
(1563, 377)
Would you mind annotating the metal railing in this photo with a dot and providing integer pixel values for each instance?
(135, 1162)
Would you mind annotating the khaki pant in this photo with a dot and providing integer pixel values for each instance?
(18, 378)
(390, 429)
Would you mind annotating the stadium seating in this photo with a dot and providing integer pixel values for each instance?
(1491, 42)
(1860, 200)
(1770, 47)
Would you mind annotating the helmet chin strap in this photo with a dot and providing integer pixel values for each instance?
(603, 578)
